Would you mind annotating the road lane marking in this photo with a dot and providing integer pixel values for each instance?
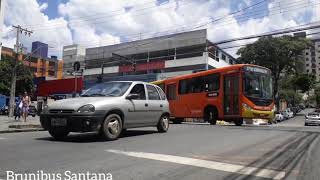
(1, 138)
(240, 169)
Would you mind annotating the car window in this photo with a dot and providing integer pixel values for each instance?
(152, 93)
(162, 95)
(139, 89)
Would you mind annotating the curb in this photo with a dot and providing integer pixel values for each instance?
(24, 126)
(21, 130)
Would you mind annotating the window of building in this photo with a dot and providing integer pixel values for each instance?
(307, 59)
(307, 70)
(307, 64)
(307, 53)
(152, 93)
(171, 92)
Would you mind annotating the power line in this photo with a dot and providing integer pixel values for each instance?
(101, 22)
(240, 19)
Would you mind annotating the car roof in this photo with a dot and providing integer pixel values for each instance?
(135, 82)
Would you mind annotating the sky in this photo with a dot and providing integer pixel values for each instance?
(93, 23)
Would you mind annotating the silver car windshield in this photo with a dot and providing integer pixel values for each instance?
(113, 89)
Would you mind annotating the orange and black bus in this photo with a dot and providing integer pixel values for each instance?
(238, 93)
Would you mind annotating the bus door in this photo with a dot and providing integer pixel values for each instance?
(231, 94)
(176, 102)
(171, 93)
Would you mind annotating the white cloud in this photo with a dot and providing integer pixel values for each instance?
(18, 14)
(43, 6)
(104, 22)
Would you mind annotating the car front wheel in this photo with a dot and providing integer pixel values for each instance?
(111, 127)
(163, 124)
(58, 133)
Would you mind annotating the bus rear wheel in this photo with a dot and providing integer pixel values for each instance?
(177, 120)
(238, 122)
(210, 116)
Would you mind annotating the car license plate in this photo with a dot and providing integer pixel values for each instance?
(58, 121)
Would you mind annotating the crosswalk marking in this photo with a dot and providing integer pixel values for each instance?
(240, 169)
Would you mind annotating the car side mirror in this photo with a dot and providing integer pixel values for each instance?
(132, 96)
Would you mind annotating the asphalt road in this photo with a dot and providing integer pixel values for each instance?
(287, 150)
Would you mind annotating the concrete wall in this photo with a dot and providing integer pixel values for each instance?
(106, 70)
(167, 75)
(152, 44)
(185, 62)
(217, 64)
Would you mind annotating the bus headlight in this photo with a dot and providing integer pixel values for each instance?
(246, 106)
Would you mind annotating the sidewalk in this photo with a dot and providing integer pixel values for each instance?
(8, 124)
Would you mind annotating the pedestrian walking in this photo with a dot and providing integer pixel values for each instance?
(17, 113)
(25, 106)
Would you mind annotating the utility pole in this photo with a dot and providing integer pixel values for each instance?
(20, 30)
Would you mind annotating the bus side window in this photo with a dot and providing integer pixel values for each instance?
(212, 82)
(184, 86)
(171, 92)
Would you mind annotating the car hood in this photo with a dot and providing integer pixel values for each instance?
(75, 103)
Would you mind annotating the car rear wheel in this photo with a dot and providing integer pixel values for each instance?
(111, 127)
(58, 133)
(163, 124)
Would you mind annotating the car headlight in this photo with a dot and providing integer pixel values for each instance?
(246, 106)
(86, 108)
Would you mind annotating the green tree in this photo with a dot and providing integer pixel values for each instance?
(304, 82)
(280, 54)
(24, 77)
(317, 95)
(292, 97)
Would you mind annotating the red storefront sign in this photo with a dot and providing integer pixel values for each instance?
(61, 86)
(143, 67)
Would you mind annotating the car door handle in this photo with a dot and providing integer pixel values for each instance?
(161, 105)
(146, 104)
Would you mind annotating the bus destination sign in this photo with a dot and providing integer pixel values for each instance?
(256, 69)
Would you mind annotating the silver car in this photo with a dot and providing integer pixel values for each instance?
(108, 108)
(312, 119)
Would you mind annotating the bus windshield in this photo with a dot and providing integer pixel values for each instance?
(258, 85)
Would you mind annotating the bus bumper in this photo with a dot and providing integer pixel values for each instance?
(257, 117)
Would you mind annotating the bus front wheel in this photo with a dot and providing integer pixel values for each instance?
(210, 116)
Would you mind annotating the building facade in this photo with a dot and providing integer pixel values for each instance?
(50, 68)
(312, 59)
(39, 49)
(70, 55)
(155, 58)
